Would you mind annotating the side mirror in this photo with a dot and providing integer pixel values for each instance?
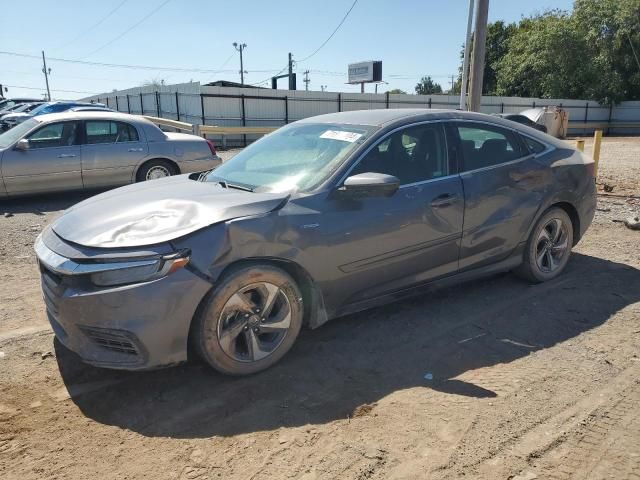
(22, 144)
(370, 184)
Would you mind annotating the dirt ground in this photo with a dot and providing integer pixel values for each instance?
(494, 379)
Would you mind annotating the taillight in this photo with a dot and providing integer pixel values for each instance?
(212, 147)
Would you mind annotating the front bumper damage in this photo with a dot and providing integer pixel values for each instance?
(134, 327)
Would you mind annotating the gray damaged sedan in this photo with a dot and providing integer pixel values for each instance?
(326, 216)
(94, 149)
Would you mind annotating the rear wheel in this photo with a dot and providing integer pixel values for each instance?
(155, 169)
(250, 321)
(548, 248)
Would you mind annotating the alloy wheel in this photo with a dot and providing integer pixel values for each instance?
(552, 245)
(254, 321)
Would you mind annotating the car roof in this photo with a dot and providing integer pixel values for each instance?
(384, 117)
(91, 115)
(395, 117)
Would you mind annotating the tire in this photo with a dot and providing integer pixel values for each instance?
(548, 249)
(149, 168)
(231, 331)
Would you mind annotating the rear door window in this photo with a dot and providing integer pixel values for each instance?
(106, 131)
(486, 146)
(534, 146)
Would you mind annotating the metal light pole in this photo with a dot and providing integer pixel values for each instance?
(479, 47)
(465, 63)
(46, 72)
(240, 47)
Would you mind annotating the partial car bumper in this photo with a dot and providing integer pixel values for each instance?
(134, 327)
(587, 207)
(199, 165)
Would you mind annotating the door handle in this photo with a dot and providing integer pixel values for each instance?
(444, 200)
(134, 150)
(67, 155)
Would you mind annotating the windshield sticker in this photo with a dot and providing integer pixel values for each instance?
(343, 136)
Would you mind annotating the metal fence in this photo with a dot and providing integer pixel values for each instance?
(230, 106)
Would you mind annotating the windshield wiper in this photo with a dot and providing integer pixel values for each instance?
(225, 184)
(238, 187)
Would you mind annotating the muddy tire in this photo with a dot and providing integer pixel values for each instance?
(155, 169)
(548, 248)
(248, 322)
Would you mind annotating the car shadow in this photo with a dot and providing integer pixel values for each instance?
(39, 204)
(427, 342)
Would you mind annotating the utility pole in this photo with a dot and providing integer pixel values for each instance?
(306, 80)
(465, 62)
(46, 72)
(291, 81)
(452, 82)
(240, 47)
(479, 47)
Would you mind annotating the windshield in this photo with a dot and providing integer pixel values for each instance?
(22, 108)
(298, 156)
(16, 133)
(50, 108)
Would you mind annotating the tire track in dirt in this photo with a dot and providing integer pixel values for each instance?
(606, 443)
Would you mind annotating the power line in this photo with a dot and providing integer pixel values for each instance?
(118, 37)
(53, 89)
(269, 78)
(226, 61)
(129, 66)
(201, 70)
(332, 33)
(122, 80)
(93, 27)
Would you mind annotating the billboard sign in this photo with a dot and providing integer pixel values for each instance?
(365, 72)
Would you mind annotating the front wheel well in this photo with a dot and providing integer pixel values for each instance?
(573, 215)
(314, 313)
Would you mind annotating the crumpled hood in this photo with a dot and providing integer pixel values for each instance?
(157, 211)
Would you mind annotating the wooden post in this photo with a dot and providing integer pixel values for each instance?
(597, 139)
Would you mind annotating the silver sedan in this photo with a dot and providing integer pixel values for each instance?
(85, 150)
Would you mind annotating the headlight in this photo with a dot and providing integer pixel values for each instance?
(140, 271)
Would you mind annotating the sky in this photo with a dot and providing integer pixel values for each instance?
(412, 38)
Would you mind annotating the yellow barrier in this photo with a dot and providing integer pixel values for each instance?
(580, 145)
(202, 130)
(215, 130)
(170, 123)
(597, 139)
(602, 125)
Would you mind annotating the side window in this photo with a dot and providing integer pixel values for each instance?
(61, 134)
(105, 131)
(414, 154)
(485, 145)
(126, 133)
(534, 146)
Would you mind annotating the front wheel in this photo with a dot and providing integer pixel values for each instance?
(250, 321)
(548, 248)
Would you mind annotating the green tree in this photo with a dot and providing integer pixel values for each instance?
(498, 35)
(592, 53)
(611, 29)
(546, 57)
(427, 86)
(397, 91)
